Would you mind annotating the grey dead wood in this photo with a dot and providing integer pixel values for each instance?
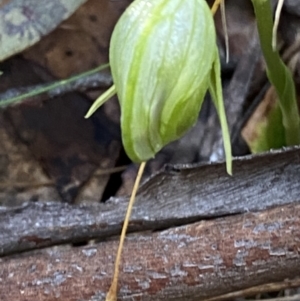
(177, 195)
(219, 248)
(192, 262)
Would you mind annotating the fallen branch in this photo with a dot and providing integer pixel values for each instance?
(192, 262)
(175, 196)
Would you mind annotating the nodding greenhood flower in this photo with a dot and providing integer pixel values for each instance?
(163, 58)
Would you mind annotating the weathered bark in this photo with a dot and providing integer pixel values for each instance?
(175, 196)
(191, 262)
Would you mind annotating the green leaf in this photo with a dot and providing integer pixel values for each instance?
(269, 132)
(278, 74)
(215, 90)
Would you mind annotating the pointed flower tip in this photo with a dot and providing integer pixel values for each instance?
(88, 115)
(90, 112)
(101, 100)
(229, 166)
(229, 170)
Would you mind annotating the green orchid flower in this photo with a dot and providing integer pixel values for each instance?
(163, 59)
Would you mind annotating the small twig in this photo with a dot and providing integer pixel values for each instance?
(108, 171)
(20, 185)
(287, 298)
(270, 287)
(225, 29)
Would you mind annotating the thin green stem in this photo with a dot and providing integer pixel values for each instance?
(57, 84)
(278, 74)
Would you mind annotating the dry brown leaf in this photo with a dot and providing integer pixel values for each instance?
(81, 42)
(24, 22)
